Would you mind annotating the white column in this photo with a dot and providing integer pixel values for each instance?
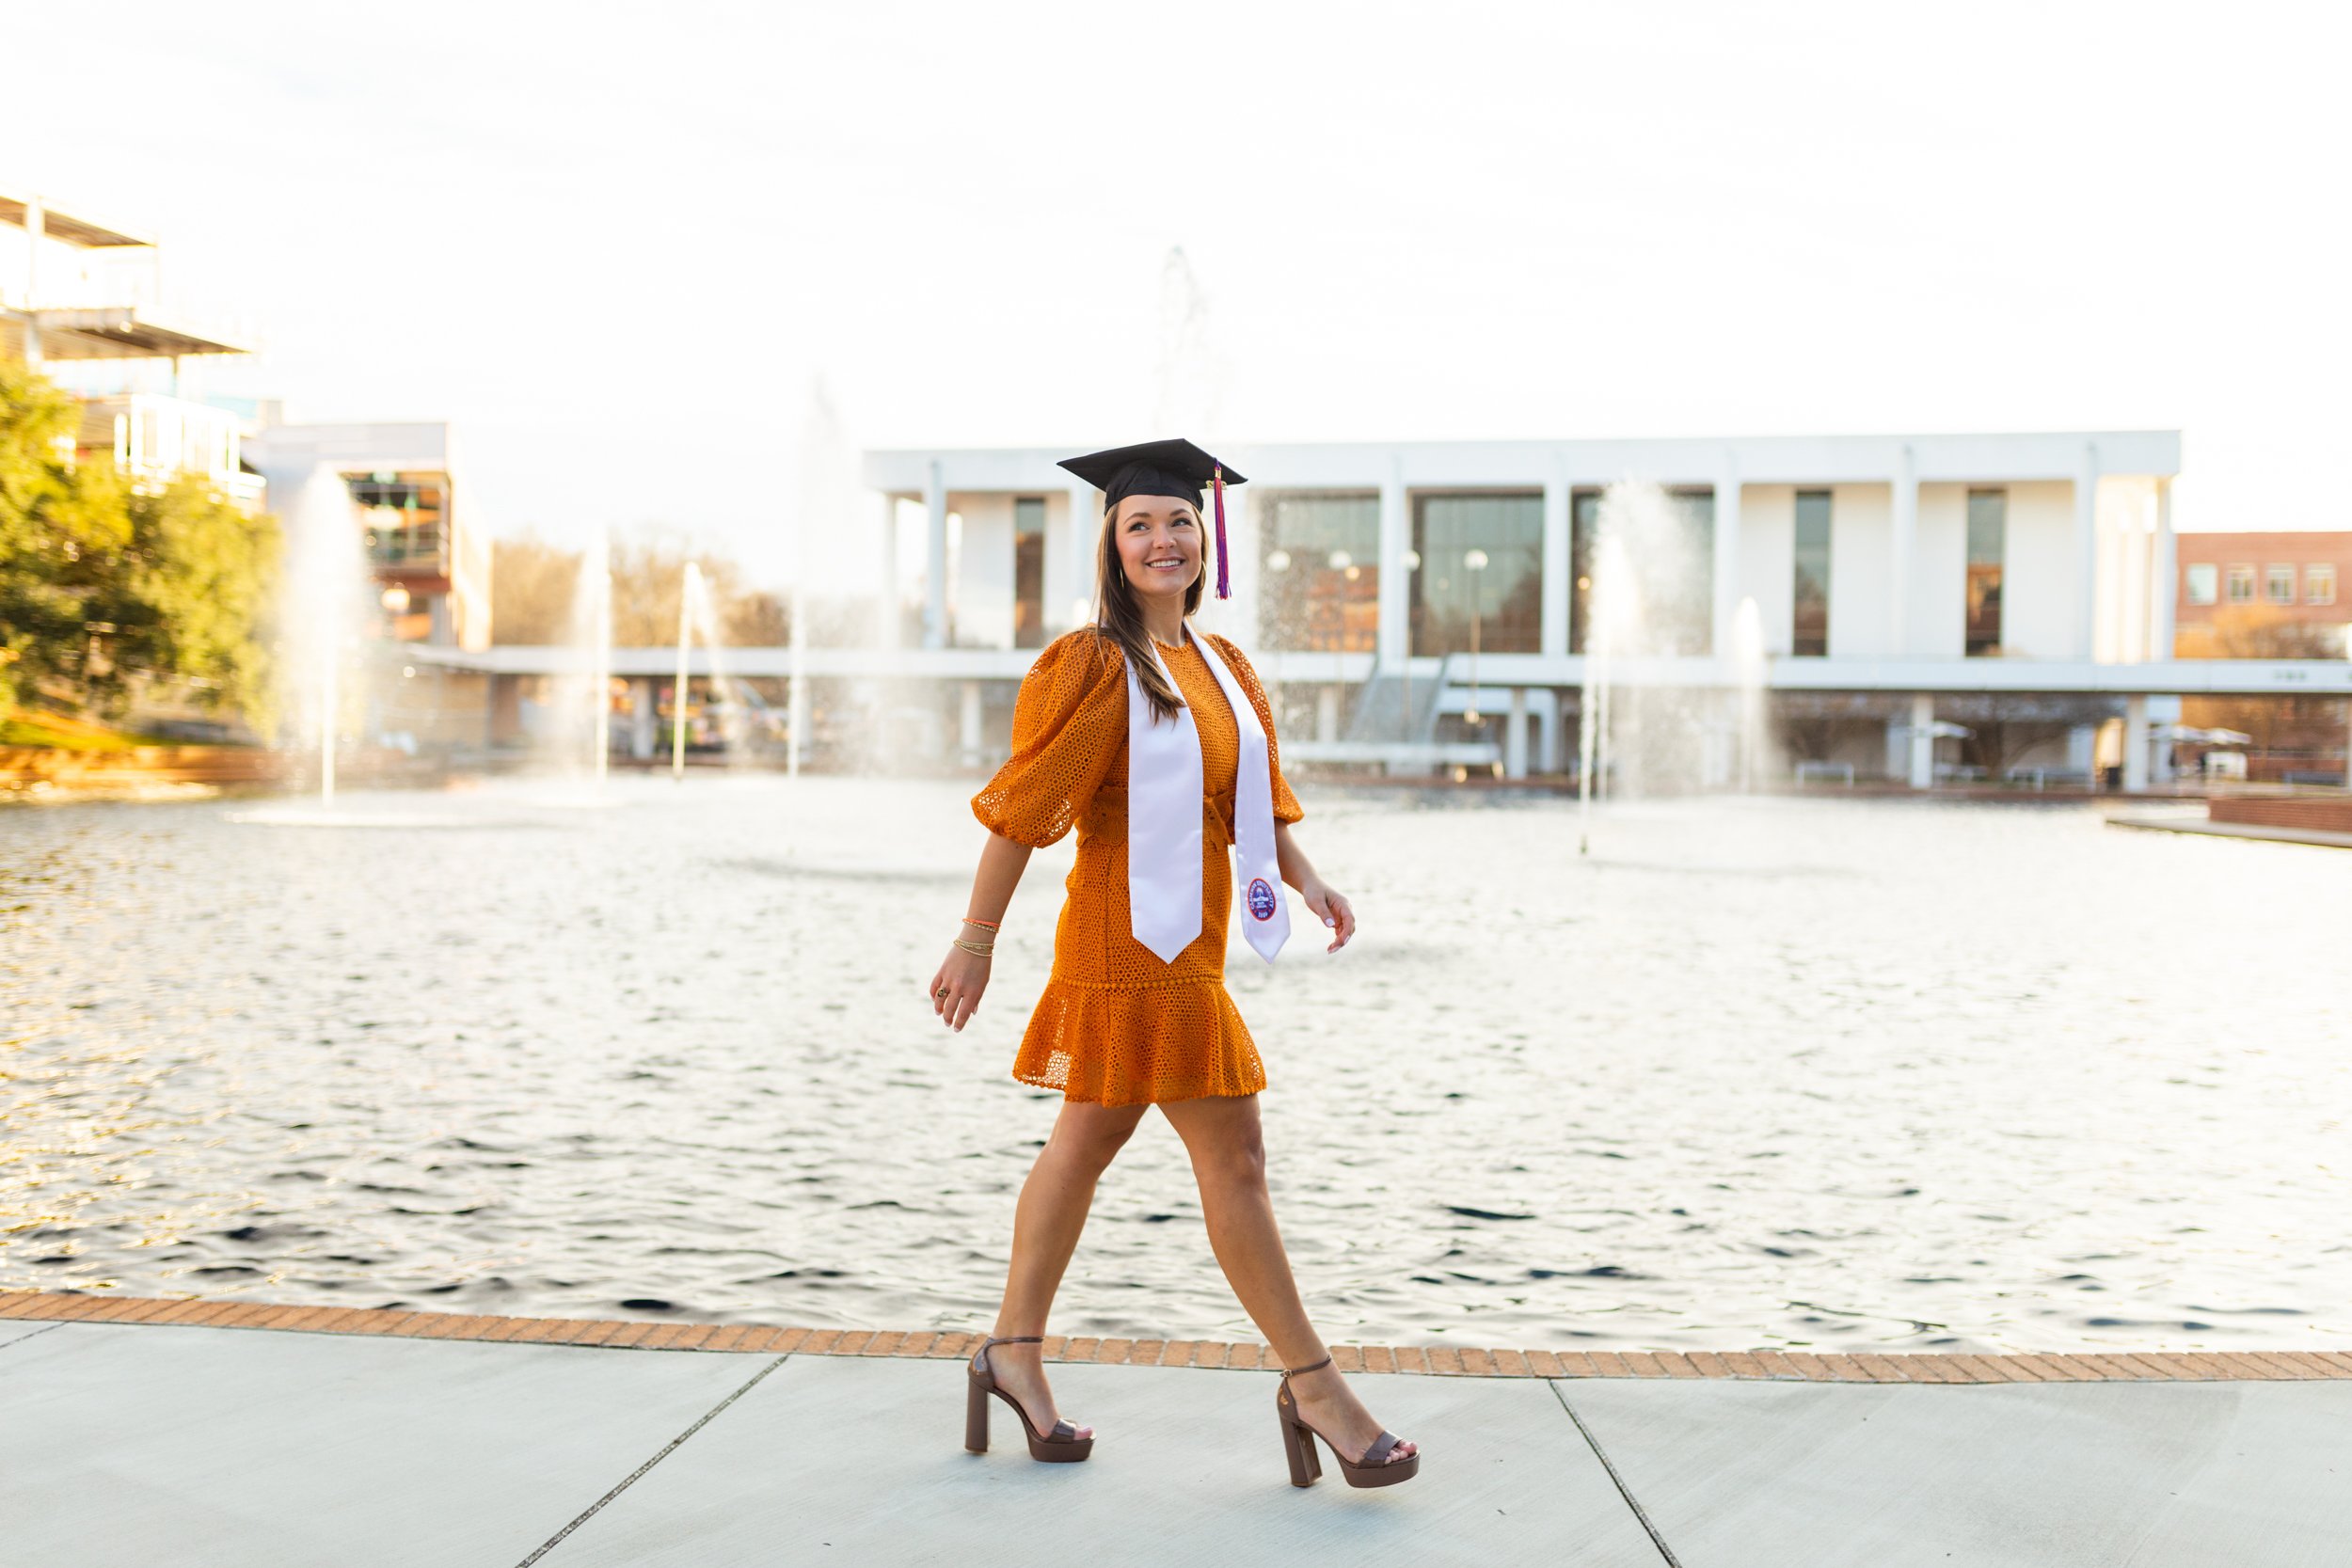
(2122, 597)
(1900, 553)
(1727, 558)
(1922, 740)
(1326, 712)
(1086, 533)
(934, 557)
(970, 724)
(36, 229)
(1238, 615)
(1055, 607)
(2086, 551)
(1547, 732)
(886, 617)
(2082, 748)
(1553, 636)
(1897, 748)
(642, 718)
(2163, 584)
(1515, 735)
(2136, 742)
(1396, 537)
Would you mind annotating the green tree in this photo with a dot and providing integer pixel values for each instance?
(192, 598)
(104, 585)
(58, 527)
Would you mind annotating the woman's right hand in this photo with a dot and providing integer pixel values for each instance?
(956, 988)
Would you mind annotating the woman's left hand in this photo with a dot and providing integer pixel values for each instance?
(1334, 911)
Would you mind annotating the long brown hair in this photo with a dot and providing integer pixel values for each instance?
(1121, 618)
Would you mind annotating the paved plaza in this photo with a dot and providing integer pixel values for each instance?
(268, 1435)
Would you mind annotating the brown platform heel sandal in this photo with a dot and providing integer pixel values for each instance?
(1298, 1442)
(1061, 1445)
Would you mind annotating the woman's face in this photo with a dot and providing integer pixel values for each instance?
(1159, 543)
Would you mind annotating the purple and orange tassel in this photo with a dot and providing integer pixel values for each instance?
(1224, 577)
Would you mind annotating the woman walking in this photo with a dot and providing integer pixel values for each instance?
(1157, 743)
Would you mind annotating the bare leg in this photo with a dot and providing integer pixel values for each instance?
(1045, 1225)
(1228, 1148)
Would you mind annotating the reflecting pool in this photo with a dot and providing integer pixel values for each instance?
(1774, 1071)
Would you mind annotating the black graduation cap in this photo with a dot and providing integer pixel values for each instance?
(1174, 467)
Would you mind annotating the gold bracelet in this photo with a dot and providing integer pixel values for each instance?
(982, 950)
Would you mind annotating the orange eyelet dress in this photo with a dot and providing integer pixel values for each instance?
(1116, 1026)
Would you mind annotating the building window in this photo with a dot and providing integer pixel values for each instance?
(1673, 562)
(1809, 629)
(1319, 589)
(1029, 572)
(1481, 561)
(2241, 585)
(405, 517)
(2319, 583)
(1987, 535)
(2278, 584)
(2204, 582)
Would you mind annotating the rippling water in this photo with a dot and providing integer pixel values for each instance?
(1785, 1073)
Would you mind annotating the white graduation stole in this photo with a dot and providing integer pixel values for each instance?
(1164, 811)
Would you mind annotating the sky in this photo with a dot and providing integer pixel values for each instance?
(623, 247)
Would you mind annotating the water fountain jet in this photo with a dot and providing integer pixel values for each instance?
(1747, 639)
(327, 586)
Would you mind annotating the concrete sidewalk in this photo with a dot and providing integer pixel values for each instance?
(2183, 823)
(129, 1443)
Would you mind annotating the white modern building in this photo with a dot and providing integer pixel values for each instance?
(77, 292)
(1919, 598)
(430, 565)
(81, 301)
(1922, 608)
(393, 484)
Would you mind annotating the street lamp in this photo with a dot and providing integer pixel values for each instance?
(1476, 560)
(1410, 562)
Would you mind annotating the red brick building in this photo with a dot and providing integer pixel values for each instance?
(2263, 595)
(2268, 596)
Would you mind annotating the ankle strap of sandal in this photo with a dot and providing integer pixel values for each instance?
(1308, 1368)
(980, 1353)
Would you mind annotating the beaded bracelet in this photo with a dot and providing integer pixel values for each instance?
(976, 949)
(985, 924)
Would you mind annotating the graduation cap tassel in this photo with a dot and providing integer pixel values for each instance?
(1224, 577)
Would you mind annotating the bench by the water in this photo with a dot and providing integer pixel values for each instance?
(2041, 778)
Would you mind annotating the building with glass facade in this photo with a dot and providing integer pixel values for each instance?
(1928, 606)
(431, 568)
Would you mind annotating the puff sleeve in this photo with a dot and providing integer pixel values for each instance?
(1286, 806)
(1068, 723)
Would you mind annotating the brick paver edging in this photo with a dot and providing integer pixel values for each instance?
(1437, 1360)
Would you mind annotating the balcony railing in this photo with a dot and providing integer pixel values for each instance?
(423, 548)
